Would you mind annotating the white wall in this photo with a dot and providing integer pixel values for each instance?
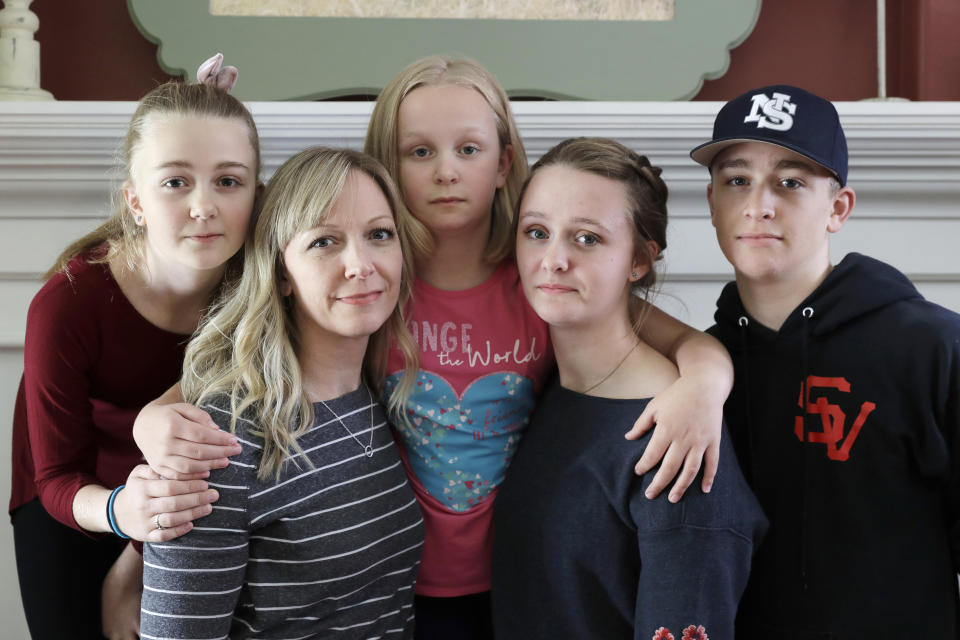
(56, 162)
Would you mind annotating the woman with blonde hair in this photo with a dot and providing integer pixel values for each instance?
(316, 528)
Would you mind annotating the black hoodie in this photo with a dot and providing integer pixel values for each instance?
(864, 538)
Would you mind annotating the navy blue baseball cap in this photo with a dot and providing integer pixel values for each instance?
(786, 116)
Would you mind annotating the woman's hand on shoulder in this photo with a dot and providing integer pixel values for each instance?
(688, 416)
(180, 441)
(151, 508)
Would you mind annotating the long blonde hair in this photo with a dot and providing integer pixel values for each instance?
(124, 239)
(382, 143)
(247, 346)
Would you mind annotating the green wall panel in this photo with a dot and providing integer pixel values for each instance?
(285, 58)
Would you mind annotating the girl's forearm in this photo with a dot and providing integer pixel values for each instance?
(702, 357)
(696, 354)
(90, 508)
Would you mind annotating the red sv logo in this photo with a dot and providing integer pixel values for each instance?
(832, 418)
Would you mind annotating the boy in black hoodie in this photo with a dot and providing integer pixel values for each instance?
(845, 412)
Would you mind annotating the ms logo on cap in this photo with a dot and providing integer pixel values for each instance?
(777, 111)
(772, 117)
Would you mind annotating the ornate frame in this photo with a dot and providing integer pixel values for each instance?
(284, 58)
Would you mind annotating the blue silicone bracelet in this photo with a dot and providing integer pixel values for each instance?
(111, 518)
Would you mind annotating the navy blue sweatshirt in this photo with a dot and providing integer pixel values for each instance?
(858, 471)
(579, 552)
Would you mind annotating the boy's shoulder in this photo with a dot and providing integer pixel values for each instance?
(923, 314)
(923, 328)
(903, 309)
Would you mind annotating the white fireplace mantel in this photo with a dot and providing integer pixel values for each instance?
(57, 167)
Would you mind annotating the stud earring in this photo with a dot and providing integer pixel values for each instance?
(636, 276)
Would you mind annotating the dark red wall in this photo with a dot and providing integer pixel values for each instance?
(91, 50)
(826, 46)
(830, 47)
(923, 56)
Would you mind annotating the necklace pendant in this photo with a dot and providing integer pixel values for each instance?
(368, 449)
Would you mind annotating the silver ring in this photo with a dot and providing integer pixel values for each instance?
(156, 521)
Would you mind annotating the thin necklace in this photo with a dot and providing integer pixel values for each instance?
(368, 448)
(612, 371)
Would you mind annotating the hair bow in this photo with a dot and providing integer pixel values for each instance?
(210, 72)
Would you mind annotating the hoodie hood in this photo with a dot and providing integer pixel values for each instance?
(857, 286)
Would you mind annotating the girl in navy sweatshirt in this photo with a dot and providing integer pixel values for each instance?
(579, 552)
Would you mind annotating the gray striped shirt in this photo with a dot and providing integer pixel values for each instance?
(329, 550)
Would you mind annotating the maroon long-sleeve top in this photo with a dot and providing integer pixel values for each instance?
(91, 362)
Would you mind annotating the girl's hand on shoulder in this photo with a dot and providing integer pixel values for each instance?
(149, 499)
(182, 442)
(688, 416)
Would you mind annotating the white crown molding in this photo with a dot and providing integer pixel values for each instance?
(895, 147)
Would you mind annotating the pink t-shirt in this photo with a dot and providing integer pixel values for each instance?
(484, 356)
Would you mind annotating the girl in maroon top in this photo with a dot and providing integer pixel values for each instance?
(106, 334)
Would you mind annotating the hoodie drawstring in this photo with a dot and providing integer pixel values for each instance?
(807, 314)
(744, 322)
